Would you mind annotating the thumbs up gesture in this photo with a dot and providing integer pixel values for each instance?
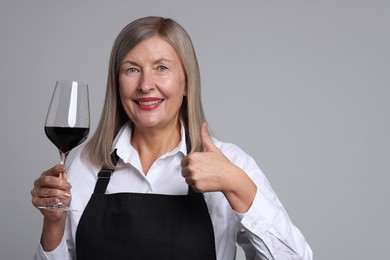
(204, 171)
(210, 170)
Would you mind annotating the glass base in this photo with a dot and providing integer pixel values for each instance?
(57, 207)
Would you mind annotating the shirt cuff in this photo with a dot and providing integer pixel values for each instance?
(260, 216)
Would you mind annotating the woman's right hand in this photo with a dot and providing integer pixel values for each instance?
(48, 189)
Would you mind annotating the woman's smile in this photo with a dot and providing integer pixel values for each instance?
(149, 103)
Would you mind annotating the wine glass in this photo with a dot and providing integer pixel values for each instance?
(67, 122)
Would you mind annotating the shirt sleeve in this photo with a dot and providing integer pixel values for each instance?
(60, 253)
(268, 233)
(265, 230)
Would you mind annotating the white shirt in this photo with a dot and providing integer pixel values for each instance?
(264, 232)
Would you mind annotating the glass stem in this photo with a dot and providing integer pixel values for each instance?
(63, 159)
(63, 174)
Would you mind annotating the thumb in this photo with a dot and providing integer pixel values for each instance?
(207, 143)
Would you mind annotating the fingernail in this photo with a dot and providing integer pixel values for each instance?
(67, 195)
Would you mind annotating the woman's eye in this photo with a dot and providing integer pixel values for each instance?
(162, 68)
(131, 70)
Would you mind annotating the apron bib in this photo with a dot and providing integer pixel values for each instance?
(137, 226)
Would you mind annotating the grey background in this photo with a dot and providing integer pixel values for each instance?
(302, 86)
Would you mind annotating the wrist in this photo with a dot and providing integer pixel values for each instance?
(52, 232)
(239, 190)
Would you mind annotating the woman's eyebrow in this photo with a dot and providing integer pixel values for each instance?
(129, 62)
(157, 61)
(161, 60)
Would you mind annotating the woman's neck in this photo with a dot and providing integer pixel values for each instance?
(152, 143)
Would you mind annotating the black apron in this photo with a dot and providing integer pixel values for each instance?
(137, 226)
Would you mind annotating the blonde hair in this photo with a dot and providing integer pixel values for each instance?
(98, 149)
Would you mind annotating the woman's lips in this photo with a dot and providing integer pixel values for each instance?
(149, 103)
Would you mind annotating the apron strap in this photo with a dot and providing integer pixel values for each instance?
(102, 182)
(189, 146)
(104, 175)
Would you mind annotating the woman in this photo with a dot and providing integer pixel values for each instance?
(151, 183)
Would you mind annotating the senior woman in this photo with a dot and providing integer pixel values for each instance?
(151, 183)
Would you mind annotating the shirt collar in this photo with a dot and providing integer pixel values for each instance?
(125, 151)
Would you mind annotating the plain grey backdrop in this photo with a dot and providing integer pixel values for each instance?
(302, 86)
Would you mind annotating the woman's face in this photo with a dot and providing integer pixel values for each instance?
(152, 84)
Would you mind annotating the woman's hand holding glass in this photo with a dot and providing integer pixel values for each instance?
(49, 189)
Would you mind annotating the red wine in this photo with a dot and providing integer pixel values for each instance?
(66, 138)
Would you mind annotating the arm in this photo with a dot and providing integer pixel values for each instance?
(48, 188)
(266, 231)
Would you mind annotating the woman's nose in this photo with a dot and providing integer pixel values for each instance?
(146, 83)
